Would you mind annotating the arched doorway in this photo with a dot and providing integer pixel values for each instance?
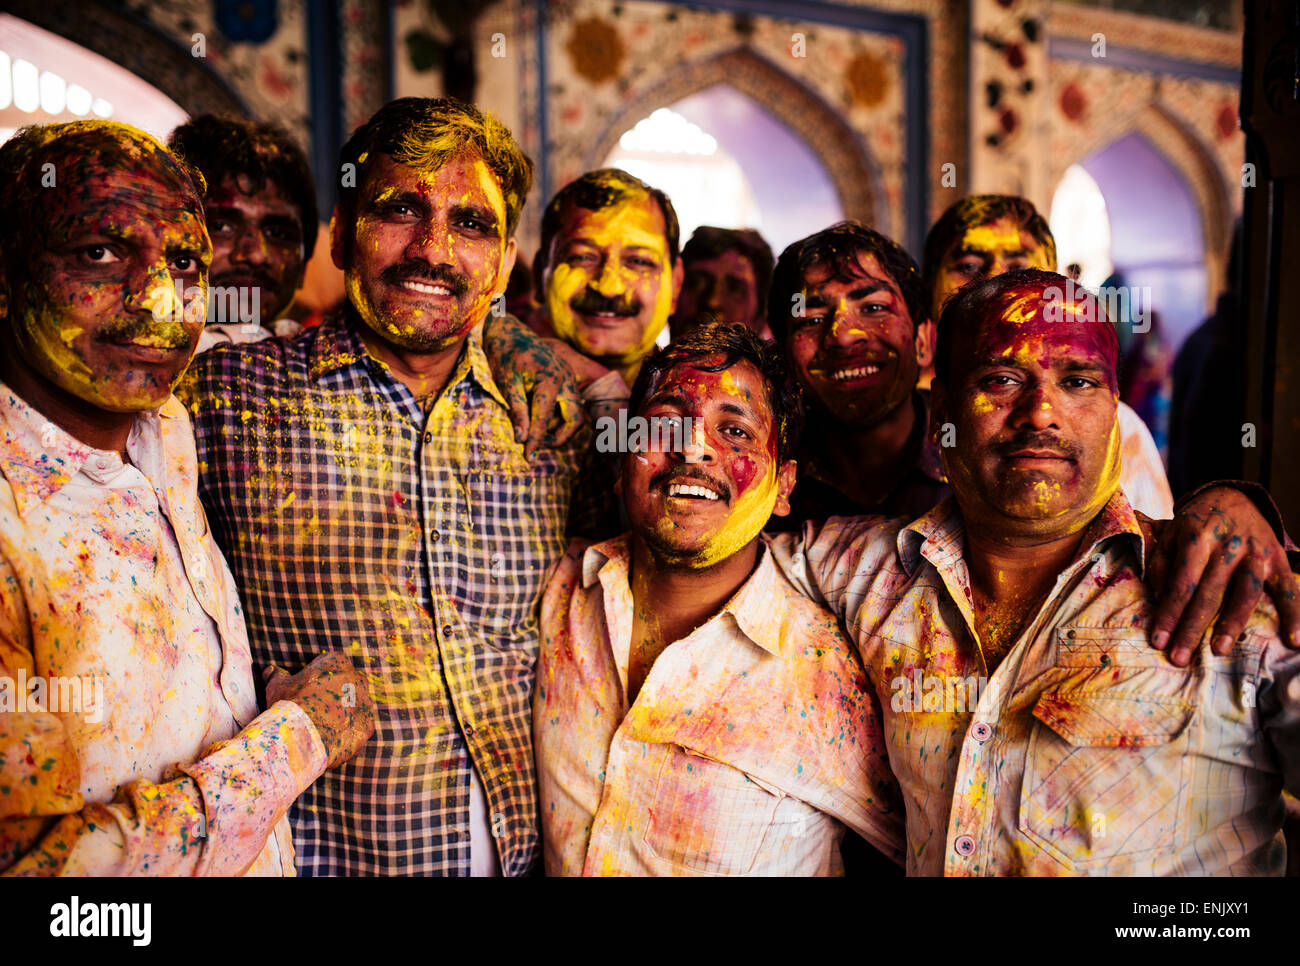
(45, 78)
(1127, 208)
(739, 87)
(726, 161)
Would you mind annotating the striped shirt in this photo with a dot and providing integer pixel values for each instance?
(1084, 752)
(416, 543)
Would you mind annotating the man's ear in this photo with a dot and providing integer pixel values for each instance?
(679, 276)
(337, 243)
(926, 333)
(507, 266)
(785, 480)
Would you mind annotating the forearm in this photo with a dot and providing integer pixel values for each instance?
(212, 818)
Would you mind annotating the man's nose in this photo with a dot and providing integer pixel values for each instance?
(432, 245)
(152, 291)
(696, 445)
(1036, 408)
(250, 247)
(844, 331)
(610, 281)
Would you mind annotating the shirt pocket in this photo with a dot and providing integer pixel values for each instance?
(708, 818)
(1107, 765)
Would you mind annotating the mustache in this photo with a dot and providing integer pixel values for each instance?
(261, 278)
(676, 473)
(590, 303)
(169, 332)
(443, 275)
(1046, 442)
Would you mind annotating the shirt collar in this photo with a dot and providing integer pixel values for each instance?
(338, 345)
(39, 458)
(755, 608)
(939, 535)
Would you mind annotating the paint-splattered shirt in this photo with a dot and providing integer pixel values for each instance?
(141, 754)
(752, 744)
(417, 544)
(1085, 752)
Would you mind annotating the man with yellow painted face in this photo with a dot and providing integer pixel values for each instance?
(1033, 723)
(986, 235)
(608, 272)
(367, 484)
(694, 715)
(130, 741)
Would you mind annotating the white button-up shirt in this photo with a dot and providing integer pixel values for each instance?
(141, 754)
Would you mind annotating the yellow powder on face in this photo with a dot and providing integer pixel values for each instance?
(612, 230)
(991, 237)
(747, 519)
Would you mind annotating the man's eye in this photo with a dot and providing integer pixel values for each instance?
(220, 226)
(998, 381)
(874, 307)
(580, 258)
(185, 263)
(641, 263)
(280, 233)
(737, 432)
(473, 224)
(99, 255)
(968, 268)
(1078, 382)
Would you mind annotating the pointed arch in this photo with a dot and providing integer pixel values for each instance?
(1191, 159)
(139, 47)
(849, 166)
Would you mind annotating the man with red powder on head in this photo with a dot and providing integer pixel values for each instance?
(985, 235)
(695, 715)
(142, 753)
(1007, 633)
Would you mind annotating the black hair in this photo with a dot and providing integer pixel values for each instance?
(737, 343)
(227, 147)
(838, 247)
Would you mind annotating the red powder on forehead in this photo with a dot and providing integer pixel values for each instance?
(1044, 318)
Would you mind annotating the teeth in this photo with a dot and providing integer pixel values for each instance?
(686, 489)
(857, 373)
(424, 289)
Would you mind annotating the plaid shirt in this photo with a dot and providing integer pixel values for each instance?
(1084, 752)
(418, 544)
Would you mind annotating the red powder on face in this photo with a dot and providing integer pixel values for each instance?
(1030, 318)
(743, 471)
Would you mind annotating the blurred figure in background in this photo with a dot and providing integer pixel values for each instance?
(728, 271)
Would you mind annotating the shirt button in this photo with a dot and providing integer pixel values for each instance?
(964, 845)
(428, 437)
(434, 536)
(981, 731)
(446, 628)
(469, 730)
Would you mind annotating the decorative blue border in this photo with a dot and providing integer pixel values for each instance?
(1135, 59)
(325, 97)
(911, 29)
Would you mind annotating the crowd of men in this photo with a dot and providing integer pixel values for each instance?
(374, 597)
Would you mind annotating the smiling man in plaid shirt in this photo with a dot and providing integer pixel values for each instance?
(365, 482)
